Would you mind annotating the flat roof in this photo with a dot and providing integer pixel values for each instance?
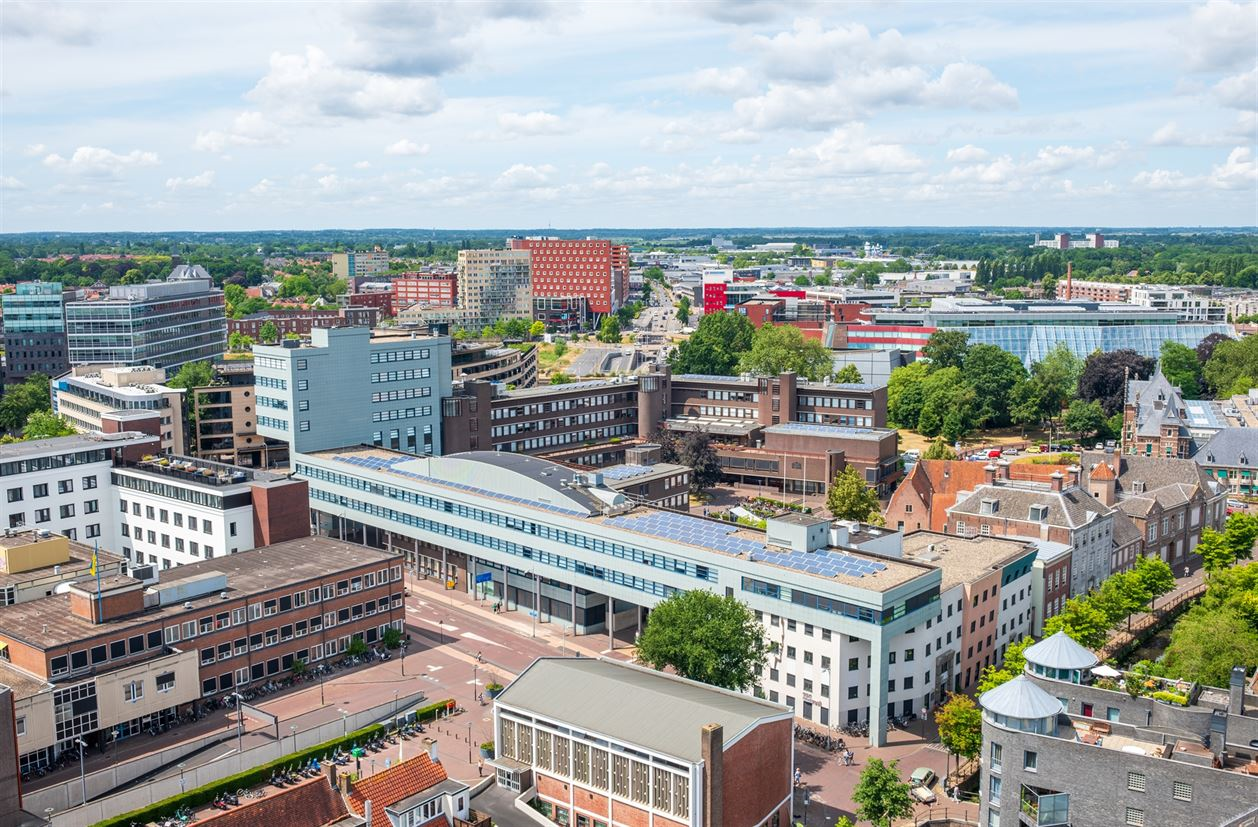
(23, 683)
(628, 473)
(635, 705)
(713, 425)
(837, 431)
(570, 387)
(48, 622)
(963, 559)
(71, 444)
(192, 471)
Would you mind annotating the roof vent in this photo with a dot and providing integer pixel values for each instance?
(222, 595)
(187, 604)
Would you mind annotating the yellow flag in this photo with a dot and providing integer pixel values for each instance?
(93, 571)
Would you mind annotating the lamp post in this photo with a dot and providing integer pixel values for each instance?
(240, 722)
(293, 729)
(537, 600)
(182, 788)
(344, 721)
(475, 685)
(82, 768)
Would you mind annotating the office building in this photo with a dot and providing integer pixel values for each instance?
(286, 321)
(562, 314)
(354, 265)
(352, 386)
(1030, 329)
(526, 532)
(1063, 241)
(428, 289)
(1063, 746)
(106, 659)
(644, 478)
(610, 743)
(169, 510)
(595, 269)
(514, 367)
(494, 285)
(163, 324)
(91, 395)
(1095, 291)
(224, 420)
(35, 331)
(1190, 304)
(62, 485)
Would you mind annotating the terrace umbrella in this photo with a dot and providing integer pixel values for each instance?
(1104, 671)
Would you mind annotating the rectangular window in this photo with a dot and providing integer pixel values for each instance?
(1135, 817)
(1181, 791)
(996, 753)
(1136, 781)
(1030, 761)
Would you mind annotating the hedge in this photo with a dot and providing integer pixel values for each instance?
(259, 775)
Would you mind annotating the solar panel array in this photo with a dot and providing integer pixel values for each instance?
(691, 530)
(389, 463)
(823, 563)
(625, 472)
(708, 377)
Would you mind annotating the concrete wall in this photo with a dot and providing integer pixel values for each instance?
(110, 688)
(10, 795)
(64, 796)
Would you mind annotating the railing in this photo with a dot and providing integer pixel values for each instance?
(945, 817)
(1148, 622)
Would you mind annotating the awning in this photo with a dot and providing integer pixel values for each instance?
(1104, 671)
(510, 764)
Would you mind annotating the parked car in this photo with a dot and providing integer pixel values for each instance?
(1235, 504)
(922, 777)
(993, 453)
(923, 795)
(1010, 452)
(1109, 443)
(1100, 446)
(1033, 449)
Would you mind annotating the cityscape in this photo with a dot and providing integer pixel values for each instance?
(815, 415)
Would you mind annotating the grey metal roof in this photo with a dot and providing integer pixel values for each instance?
(1020, 698)
(1060, 651)
(1157, 473)
(1158, 404)
(632, 704)
(1230, 447)
(70, 444)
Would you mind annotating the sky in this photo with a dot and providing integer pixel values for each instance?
(562, 113)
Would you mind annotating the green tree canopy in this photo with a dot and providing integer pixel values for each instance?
(849, 375)
(705, 637)
(1105, 375)
(1057, 378)
(45, 425)
(192, 375)
(269, 332)
(696, 451)
(1233, 364)
(904, 394)
(947, 348)
(993, 373)
(1081, 620)
(880, 796)
(1181, 368)
(1013, 664)
(23, 399)
(939, 449)
(715, 345)
(849, 498)
(609, 330)
(960, 726)
(1084, 418)
(779, 348)
(537, 329)
(1206, 645)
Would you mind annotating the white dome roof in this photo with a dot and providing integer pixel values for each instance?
(1060, 652)
(1020, 698)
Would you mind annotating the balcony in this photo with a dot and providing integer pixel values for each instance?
(1044, 808)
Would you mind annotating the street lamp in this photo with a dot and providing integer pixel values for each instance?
(475, 684)
(293, 729)
(182, 789)
(240, 722)
(82, 769)
(344, 721)
(537, 600)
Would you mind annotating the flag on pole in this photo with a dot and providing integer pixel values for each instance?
(93, 569)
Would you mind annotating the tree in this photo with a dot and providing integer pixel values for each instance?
(192, 375)
(269, 332)
(1084, 418)
(1214, 551)
(960, 726)
(779, 348)
(849, 498)
(1231, 362)
(1105, 376)
(715, 346)
(1081, 620)
(880, 796)
(849, 375)
(1206, 645)
(946, 348)
(905, 395)
(947, 405)
(705, 637)
(239, 342)
(993, 373)
(1181, 368)
(1205, 348)
(609, 330)
(1057, 377)
(1155, 575)
(683, 310)
(559, 348)
(561, 378)
(21, 400)
(45, 425)
(696, 451)
(939, 450)
(1013, 665)
(802, 281)
(1239, 533)
(537, 329)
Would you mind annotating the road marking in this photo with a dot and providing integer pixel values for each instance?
(432, 668)
(224, 755)
(479, 639)
(444, 626)
(476, 681)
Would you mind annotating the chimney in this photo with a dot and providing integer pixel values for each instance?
(332, 774)
(367, 811)
(432, 750)
(1069, 283)
(1236, 692)
(991, 473)
(1058, 478)
(1002, 469)
(1073, 471)
(712, 746)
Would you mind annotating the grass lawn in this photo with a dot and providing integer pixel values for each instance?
(548, 362)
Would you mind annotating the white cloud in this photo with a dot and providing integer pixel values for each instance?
(313, 86)
(968, 154)
(406, 146)
(8, 182)
(1052, 159)
(1243, 130)
(362, 165)
(248, 129)
(738, 136)
(60, 22)
(733, 82)
(850, 151)
(969, 86)
(811, 53)
(195, 182)
(263, 187)
(1164, 179)
(1239, 171)
(1220, 35)
(97, 162)
(531, 123)
(1239, 91)
(525, 176)
(34, 150)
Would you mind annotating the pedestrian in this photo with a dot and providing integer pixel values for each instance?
(1187, 571)
(798, 777)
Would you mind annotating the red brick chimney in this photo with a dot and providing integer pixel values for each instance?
(1058, 479)
(990, 470)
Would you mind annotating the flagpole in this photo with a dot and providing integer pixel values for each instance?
(96, 570)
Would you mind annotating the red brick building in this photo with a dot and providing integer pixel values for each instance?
(589, 267)
(431, 289)
(300, 322)
(669, 752)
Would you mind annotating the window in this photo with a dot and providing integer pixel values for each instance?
(132, 691)
(15, 495)
(1029, 761)
(1136, 781)
(852, 692)
(1181, 791)
(1135, 817)
(853, 664)
(40, 490)
(996, 753)
(21, 726)
(67, 511)
(994, 790)
(89, 483)
(65, 486)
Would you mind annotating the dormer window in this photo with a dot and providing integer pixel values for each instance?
(990, 506)
(1137, 487)
(1244, 459)
(1037, 513)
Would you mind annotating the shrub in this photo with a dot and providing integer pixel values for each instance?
(1170, 697)
(258, 775)
(488, 746)
(493, 687)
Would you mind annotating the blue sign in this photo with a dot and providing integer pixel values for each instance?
(485, 577)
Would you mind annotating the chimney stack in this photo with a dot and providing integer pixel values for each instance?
(367, 811)
(990, 470)
(712, 738)
(1058, 478)
(1236, 692)
(1074, 475)
(432, 749)
(1002, 469)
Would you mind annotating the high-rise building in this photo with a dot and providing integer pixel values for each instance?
(354, 264)
(35, 330)
(163, 324)
(350, 387)
(494, 285)
(593, 268)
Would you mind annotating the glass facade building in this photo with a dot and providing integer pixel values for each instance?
(34, 331)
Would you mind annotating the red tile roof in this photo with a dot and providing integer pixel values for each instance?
(390, 786)
(1102, 471)
(312, 803)
(939, 481)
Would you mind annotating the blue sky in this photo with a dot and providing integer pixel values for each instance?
(511, 113)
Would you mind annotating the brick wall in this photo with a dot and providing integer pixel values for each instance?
(757, 774)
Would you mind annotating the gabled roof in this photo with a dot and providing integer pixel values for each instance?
(1071, 508)
(1102, 471)
(312, 803)
(1020, 698)
(1157, 473)
(1060, 651)
(1230, 447)
(1158, 404)
(399, 782)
